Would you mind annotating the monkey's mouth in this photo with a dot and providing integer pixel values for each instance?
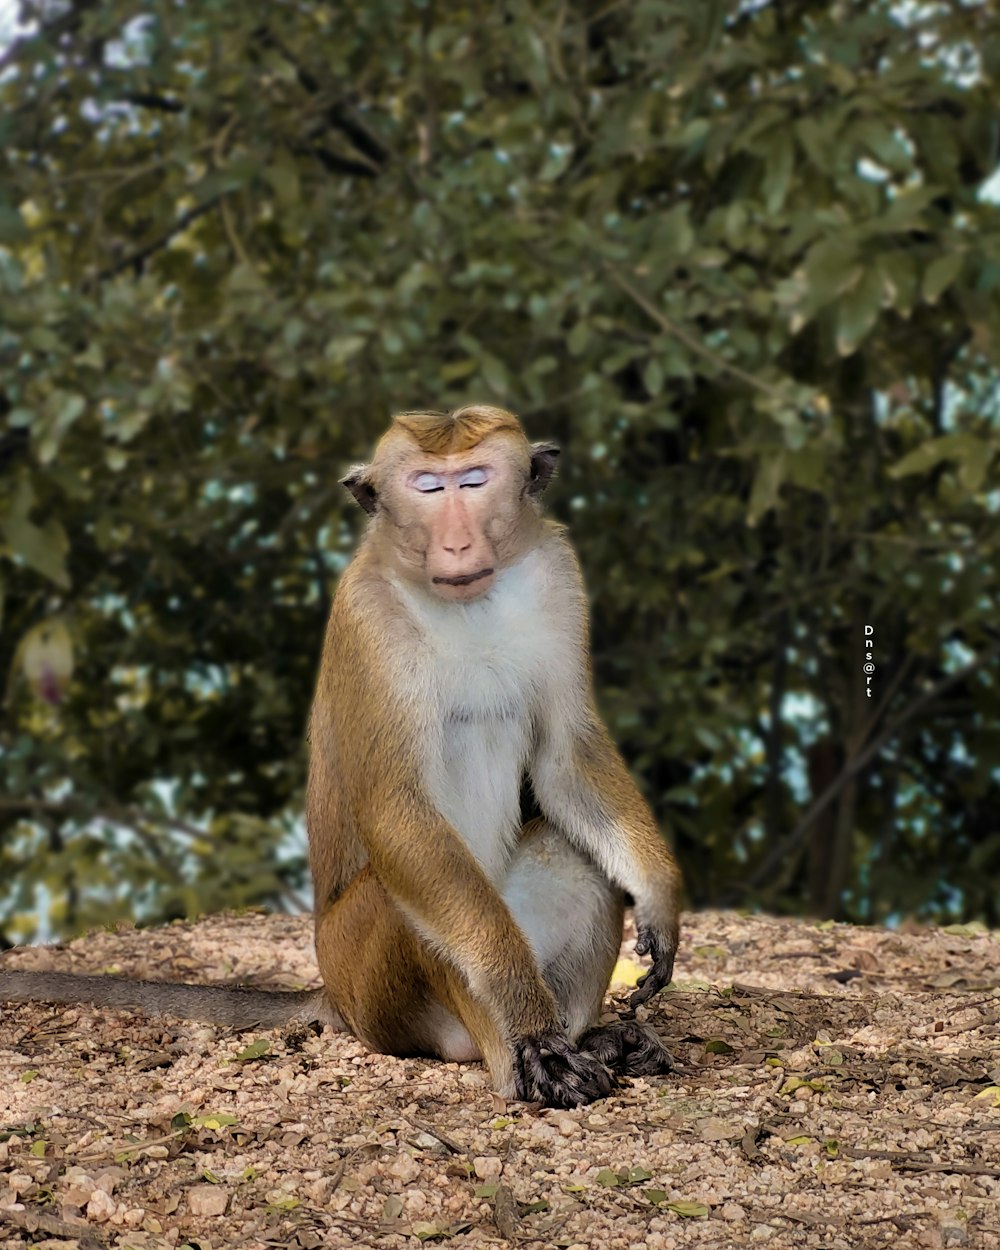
(465, 580)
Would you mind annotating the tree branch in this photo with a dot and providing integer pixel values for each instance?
(142, 254)
(150, 100)
(683, 336)
(773, 859)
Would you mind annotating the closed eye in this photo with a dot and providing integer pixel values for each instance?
(427, 483)
(474, 477)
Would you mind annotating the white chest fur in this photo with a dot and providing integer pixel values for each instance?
(478, 679)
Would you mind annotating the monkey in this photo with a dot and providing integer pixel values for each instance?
(455, 667)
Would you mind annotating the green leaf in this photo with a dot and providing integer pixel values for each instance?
(923, 458)
(766, 485)
(608, 1177)
(256, 1050)
(690, 1210)
(940, 274)
(43, 549)
(858, 310)
(216, 1119)
(455, 370)
(780, 164)
(899, 279)
(284, 1202)
(283, 175)
(832, 265)
(717, 1046)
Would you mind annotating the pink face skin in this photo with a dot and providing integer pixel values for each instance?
(452, 497)
(458, 519)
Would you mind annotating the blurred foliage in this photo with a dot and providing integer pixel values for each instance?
(735, 257)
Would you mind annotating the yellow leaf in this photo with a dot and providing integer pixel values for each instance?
(992, 1093)
(626, 972)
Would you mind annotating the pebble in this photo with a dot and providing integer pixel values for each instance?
(101, 1207)
(207, 1200)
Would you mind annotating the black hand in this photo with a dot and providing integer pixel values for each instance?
(552, 1071)
(651, 942)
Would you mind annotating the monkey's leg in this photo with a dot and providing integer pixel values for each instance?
(395, 994)
(572, 917)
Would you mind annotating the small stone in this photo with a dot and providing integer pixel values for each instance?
(101, 1207)
(207, 1200)
(404, 1168)
(107, 1181)
(487, 1167)
(731, 1211)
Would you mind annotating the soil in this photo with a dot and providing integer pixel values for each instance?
(835, 1087)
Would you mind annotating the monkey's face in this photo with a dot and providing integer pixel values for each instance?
(457, 520)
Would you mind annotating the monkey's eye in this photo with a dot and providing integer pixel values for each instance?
(474, 477)
(426, 483)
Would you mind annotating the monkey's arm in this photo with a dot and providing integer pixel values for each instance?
(583, 786)
(237, 1007)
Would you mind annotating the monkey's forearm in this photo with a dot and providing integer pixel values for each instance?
(236, 1007)
(583, 785)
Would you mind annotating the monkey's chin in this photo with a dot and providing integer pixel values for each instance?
(464, 590)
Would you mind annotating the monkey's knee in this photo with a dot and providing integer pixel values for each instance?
(560, 899)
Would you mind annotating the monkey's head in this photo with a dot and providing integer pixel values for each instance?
(454, 497)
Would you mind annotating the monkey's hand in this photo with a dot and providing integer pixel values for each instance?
(627, 1048)
(663, 948)
(552, 1071)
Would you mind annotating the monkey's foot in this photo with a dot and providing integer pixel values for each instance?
(552, 1071)
(627, 1048)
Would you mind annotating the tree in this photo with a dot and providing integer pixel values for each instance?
(738, 261)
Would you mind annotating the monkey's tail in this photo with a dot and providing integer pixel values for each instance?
(238, 1007)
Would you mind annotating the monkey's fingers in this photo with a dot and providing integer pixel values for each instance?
(550, 1070)
(654, 980)
(628, 1049)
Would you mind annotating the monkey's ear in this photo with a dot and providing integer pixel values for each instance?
(358, 483)
(543, 466)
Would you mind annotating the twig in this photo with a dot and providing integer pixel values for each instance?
(910, 1163)
(41, 1221)
(142, 254)
(683, 336)
(234, 239)
(449, 1143)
